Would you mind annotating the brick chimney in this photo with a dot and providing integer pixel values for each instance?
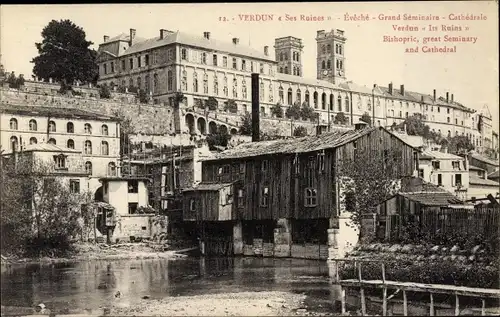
(451, 97)
(163, 34)
(266, 50)
(236, 40)
(206, 35)
(434, 94)
(255, 108)
(106, 38)
(447, 97)
(402, 89)
(390, 88)
(132, 37)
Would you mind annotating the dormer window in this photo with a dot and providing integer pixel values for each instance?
(60, 161)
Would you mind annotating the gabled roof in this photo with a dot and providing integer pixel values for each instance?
(66, 113)
(208, 187)
(296, 145)
(433, 199)
(195, 41)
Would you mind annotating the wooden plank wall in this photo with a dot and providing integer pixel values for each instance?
(207, 206)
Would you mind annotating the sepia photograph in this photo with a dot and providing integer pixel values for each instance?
(250, 159)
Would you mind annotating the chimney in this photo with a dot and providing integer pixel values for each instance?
(447, 97)
(390, 88)
(374, 85)
(206, 35)
(451, 97)
(236, 40)
(163, 33)
(132, 37)
(106, 38)
(402, 88)
(255, 108)
(360, 125)
(266, 50)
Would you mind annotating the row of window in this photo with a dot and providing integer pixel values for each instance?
(283, 56)
(242, 63)
(70, 127)
(135, 62)
(284, 70)
(70, 144)
(327, 48)
(328, 64)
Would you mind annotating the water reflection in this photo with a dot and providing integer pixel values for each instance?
(93, 285)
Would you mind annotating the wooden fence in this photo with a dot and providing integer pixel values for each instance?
(445, 224)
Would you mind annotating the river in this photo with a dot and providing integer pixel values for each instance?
(93, 285)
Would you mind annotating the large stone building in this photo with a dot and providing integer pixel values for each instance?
(96, 137)
(201, 67)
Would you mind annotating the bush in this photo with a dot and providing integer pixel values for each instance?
(104, 92)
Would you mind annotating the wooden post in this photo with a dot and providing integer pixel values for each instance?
(483, 307)
(363, 302)
(384, 302)
(431, 310)
(383, 273)
(457, 306)
(359, 271)
(405, 304)
(342, 300)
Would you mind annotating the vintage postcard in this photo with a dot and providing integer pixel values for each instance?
(250, 159)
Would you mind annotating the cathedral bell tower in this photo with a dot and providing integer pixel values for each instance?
(330, 60)
(289, 55)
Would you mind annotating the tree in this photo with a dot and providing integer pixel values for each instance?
(39, 213)
(277, 110)
(219, 139)
(231, 106)
(366, 179)
(143, 96)
(104, 92)
(65, 55)
(415, 126)
(460, 144)
(366, 118)
(212, 104)
(340, 118)
(293, 112)
(300, 131)
(246, 124)
(177, 99)
(307, 112)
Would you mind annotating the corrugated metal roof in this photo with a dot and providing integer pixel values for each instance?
(475, 180)
(208, 187)
(441, 155)
(196, 41)
(67, 113)
(294, 145)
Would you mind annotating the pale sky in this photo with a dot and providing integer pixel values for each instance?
(471, 73)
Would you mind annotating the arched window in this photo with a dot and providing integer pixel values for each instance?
(339, 103)
(204, 58)
(324, 49)
(286, 69)
(347, 104)
(88, 147)
(235, 88)
(170, 81)
(146, 83)
(299, 97)
(87, 128)
(52, 141)
(13, 124)
(216, 85)
(195, 82)
(88, 167)
(139, 83)
(52, 126)
(14, 144)
(307, 97)
(70, 127)
(184, 54)
(290, 96)
(184, 80)
(104, 148)
(130, 83)
(369, 104)
(281, 56)
(323, 65)
(104, 130)
(33, 125)
(281, 95)
(112, 169)
(70, 144)
(328, 48)
(261, 91)
(205, 83)
(33, 140)
(323, 101)
(271, 93)
(244, 89)
(315, 99)
(329, 64)
(331, 102)
(281, 70)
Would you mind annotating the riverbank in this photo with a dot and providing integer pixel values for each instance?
(101, 251)
(228, 304)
